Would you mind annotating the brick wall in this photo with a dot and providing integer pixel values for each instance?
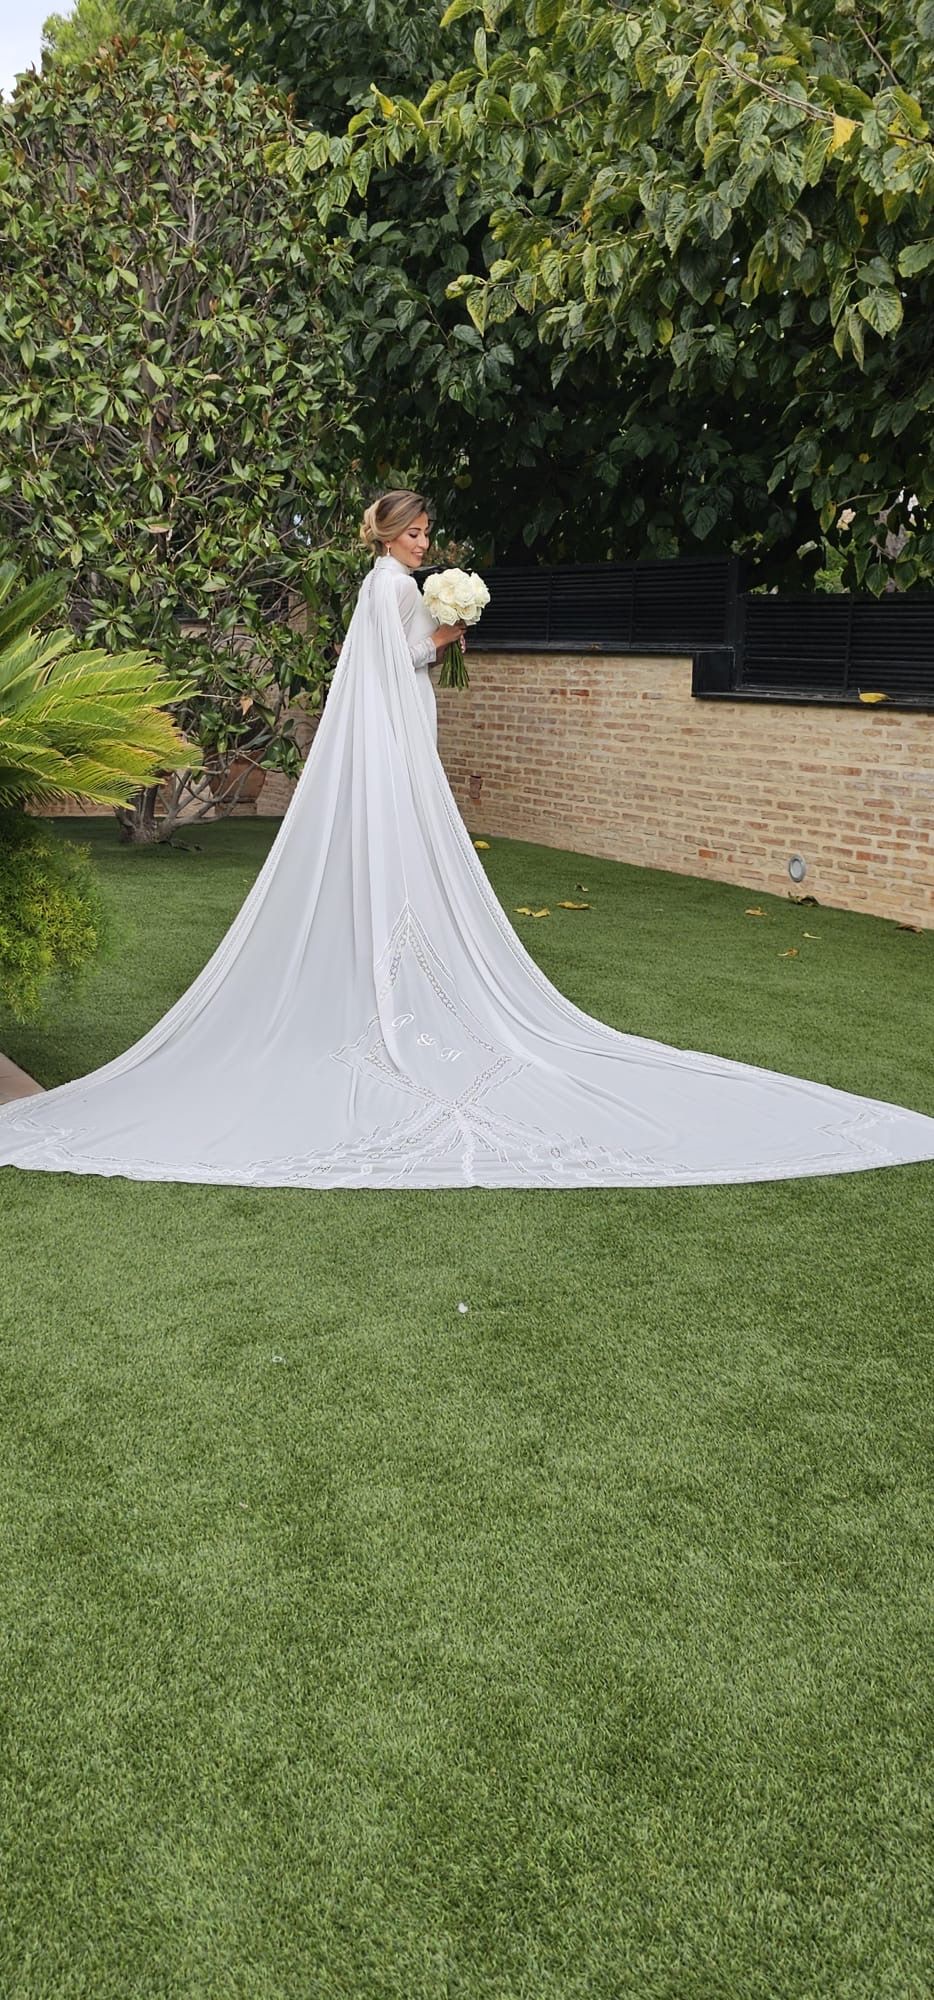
(613, 756)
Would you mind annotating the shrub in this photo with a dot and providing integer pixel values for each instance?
(53, 918)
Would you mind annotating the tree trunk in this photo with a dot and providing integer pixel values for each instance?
(137, 821)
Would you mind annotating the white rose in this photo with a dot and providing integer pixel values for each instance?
(456, 597)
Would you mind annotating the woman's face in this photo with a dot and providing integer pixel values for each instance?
(411, 547)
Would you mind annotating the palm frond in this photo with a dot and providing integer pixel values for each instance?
(144, 668)
(26, 662)
(30, 604)
(89, 778)
(82, 723)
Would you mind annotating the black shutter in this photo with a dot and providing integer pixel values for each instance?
(837, 647)
(607, 607)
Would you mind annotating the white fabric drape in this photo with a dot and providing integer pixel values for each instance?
(371, 1018)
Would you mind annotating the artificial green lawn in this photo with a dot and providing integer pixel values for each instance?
(575, 1645)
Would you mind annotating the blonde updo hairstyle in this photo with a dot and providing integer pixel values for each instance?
(386, 517)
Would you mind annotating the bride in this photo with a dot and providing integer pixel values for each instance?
(371, 1018)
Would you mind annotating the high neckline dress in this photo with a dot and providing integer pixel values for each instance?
(418, 626)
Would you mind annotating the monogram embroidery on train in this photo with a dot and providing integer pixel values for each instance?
(453, 1064)
(448, 1075)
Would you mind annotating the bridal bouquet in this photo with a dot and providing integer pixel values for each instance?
(455, 597)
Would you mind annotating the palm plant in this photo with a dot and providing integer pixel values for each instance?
(77, 722)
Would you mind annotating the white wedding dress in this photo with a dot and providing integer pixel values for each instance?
(371, 1018)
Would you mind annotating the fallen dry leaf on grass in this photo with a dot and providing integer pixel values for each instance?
(481, 843)
(792, 952)
(753, 913)
(813, 935)
(918, 931)
(525, 910)
(582, 886)
(572, 906)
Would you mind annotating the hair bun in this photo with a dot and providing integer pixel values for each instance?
(368, 532)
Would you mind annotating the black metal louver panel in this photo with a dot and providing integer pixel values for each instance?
(666, 606)
(892, 646)
(838, 647)
(518, 611)
(682, 603)
(795, 642)
(587, 602)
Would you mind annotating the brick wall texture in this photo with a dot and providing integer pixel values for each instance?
(612, 756)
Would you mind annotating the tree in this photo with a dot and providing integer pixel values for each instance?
(175, 407)
(76, 37)
(417, 371)
(683, 235)
(724, 216)
(505, 454)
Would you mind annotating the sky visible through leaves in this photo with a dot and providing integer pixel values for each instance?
(21, 37)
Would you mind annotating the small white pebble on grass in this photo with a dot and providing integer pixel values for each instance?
(278, 1357)
(461, 1307)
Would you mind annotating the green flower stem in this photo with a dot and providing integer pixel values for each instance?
(453, 667)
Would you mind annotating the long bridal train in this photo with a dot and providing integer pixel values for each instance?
(371, 1019)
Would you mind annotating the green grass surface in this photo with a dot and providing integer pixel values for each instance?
(574, 1646)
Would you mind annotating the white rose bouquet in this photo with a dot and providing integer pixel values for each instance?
(454, 597)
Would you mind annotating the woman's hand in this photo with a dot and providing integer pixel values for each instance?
(448, 635)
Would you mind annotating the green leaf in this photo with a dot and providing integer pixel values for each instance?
(456, 9)
(477, 307)
(718, 218)
(816, 150)
(882, 311)
(410, 113)
(915, 257)
(855, 331)
(360, 172)
(317, 150)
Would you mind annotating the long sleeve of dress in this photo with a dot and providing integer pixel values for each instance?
(414, 617)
